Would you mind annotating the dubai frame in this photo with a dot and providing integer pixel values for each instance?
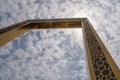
(101, 66)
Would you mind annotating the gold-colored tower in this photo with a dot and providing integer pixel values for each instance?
(100, 63)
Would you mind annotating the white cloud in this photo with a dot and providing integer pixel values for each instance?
(48, 54)
(43, 58)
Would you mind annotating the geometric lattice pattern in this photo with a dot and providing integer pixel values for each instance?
(101, 67)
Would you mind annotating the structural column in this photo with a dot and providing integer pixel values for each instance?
(100, 63)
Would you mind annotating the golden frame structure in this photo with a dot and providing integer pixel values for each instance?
(100, 63)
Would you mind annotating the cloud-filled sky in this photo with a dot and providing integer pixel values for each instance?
(55, 54)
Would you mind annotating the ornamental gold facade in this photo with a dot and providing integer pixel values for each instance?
(101, 66)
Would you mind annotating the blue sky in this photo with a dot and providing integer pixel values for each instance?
(55, 54)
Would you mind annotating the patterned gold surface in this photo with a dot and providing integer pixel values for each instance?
(101, 66)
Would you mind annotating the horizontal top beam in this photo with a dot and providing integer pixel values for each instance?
(9, 33)
(47, 23)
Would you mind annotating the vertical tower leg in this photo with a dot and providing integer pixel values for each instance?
(100, 63)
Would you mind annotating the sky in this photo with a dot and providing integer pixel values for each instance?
(55, 54)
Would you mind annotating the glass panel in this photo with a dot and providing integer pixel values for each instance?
(53, 54)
